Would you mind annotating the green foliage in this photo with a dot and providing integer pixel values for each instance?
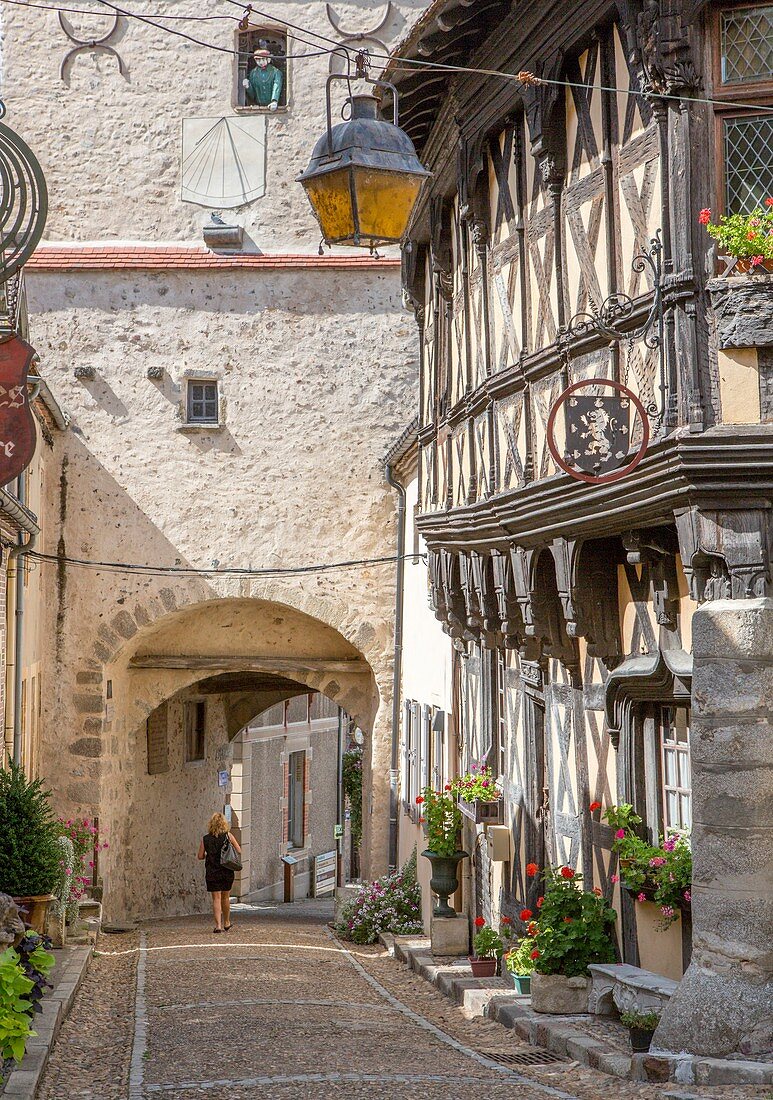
(443, 819)
(29, 854)
(477, 785)
(390, 904)
(518, 960)
(486, 943)
(574, 927)
(648, 1021)
(747, 236)
(15, 1006)
(352, 780)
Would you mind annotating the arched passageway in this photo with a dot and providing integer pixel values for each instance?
(179, 693)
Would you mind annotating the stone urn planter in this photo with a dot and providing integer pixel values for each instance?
(36, 908)
(558, 994)
(444, 880)
(482, 968)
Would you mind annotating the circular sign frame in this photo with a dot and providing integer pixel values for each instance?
(23, 201)
(616, 475)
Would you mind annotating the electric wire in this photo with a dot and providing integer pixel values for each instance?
(227, 571)
(402, 65)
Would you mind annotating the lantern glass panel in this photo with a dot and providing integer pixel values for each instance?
(385, 201)
(331, 199)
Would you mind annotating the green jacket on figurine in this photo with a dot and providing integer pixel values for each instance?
(264, 83)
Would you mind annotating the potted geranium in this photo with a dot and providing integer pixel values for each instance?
(488, 947)
(641, 1027)
(29, 855)
(520, 964)
(573, 929)
(747, 238)
(660, 873)
(478, 790)
(442, 821)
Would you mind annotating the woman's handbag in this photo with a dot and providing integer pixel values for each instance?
(229, 857)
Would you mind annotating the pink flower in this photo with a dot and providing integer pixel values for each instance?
(669, 845)
(687, 895)
(756, 260)
(620, 834)
(91, 863)
(641, 897)
(615, 878)
(667, 911)
(657, 861)
(705, 216)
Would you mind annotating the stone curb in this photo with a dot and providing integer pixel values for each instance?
(71, 965)
(493, 999)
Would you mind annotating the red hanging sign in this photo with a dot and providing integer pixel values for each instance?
(17, 424)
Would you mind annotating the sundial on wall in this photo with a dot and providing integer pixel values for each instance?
(224, 160)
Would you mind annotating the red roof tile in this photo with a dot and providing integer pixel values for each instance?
(168, 257)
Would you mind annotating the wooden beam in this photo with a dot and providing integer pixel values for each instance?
(251, 664)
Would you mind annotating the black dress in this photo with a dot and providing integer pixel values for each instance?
(218, 877)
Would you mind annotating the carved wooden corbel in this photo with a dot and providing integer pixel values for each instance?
(510, 616)
(726, 552)
(587, 589)
(545, 118)
(656, 548)
(446, 593)
(663, 33)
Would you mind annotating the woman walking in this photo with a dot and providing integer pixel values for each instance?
(219, 879)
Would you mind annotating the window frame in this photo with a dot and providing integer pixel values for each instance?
(190, 401)
(664, 726)
(296, 800)
(240, 103)
(728, 97)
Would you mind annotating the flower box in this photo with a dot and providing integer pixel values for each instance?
(483, 812)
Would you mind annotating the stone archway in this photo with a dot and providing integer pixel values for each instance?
(257, 650)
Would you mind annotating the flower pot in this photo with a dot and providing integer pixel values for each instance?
(641, 1037)
(36, 906)
(444, 880)
(558, 994)
(482, 968)
(522, 982)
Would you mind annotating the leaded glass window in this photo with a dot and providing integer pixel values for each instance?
(747, 44)
(748, 141)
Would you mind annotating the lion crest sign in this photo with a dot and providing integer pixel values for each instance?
(598, 430)
(17, 424)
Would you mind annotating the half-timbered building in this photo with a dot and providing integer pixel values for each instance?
(559, 241)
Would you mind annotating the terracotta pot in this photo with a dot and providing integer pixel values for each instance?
(36, 906)
(482, 968)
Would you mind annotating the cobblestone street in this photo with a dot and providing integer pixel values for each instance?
(277, 1007)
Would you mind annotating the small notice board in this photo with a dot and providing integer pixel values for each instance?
(325, 866)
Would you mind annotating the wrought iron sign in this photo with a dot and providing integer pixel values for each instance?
(598, 430)
(23, 201)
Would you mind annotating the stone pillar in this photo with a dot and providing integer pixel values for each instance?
(724, 1003)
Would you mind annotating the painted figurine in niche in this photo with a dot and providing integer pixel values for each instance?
(264, 83)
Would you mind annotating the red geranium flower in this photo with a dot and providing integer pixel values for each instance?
(539, 902)
(422, 820)
(533, 928)
(567, 920)
(447, 787)
(535, 954)
(526, 914)
(597, 891)
(751, 235)
(567, 872)
(769, 201)
(705, 216)
(419, 800)
(531, 869)
(506, 920)
(479, 922)
(595, 806)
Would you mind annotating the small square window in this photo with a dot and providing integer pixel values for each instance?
(202, 403)
(195, 727)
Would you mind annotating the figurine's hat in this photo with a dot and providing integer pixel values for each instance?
(262, 53)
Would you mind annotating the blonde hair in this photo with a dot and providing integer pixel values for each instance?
(217, 825)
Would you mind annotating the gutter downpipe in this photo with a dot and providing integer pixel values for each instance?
(20, 513)
(398, 661)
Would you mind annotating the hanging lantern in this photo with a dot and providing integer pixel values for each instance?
(364, 177)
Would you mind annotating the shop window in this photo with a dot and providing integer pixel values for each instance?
(203, 403)
(195, 717)
(271, 86)
(675, 769)
(743, 73)
(296, 799)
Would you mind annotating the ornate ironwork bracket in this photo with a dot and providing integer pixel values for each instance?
(90, 44)
(611, 319)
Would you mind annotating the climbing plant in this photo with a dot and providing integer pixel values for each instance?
(352, 778)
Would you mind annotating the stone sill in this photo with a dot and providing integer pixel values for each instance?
(494, 999)
(188, 428)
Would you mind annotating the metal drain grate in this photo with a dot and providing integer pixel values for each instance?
(535, 1057)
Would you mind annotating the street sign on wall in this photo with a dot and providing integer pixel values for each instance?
(324, 879)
